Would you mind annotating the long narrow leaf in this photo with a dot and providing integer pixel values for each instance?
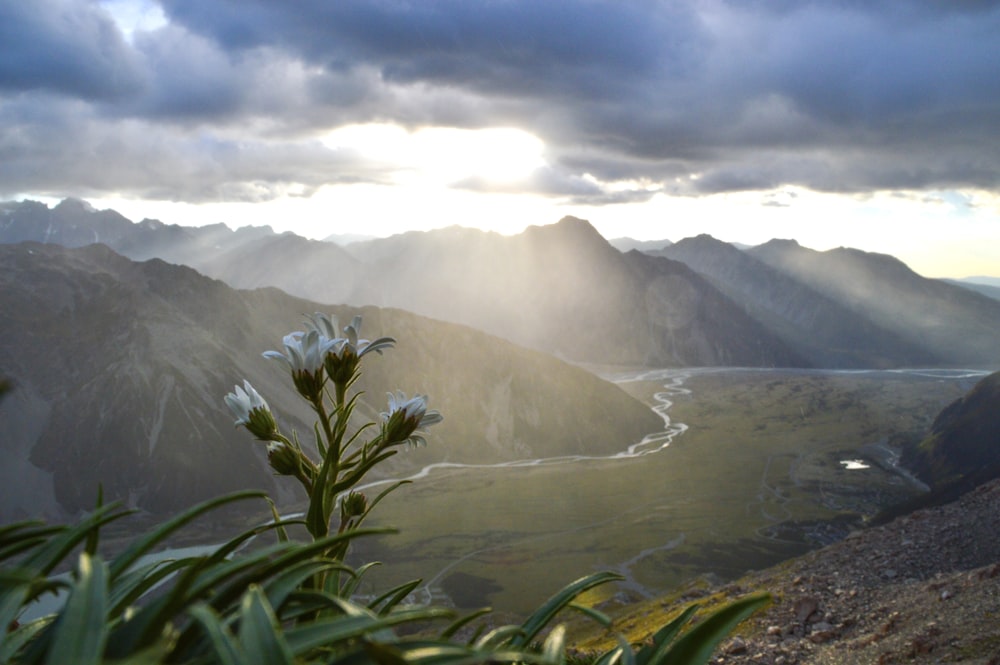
(393, 597)
(544, 614)
(259, 634)
(81, 629)
(137, 582)
(222, 641)
(279, 589)
(329, 633)
(144, 544)
(554, 648)
(462, 622)
(696, 646)
(15, 640)
(599, 617)
(354, 581)
(662, 640)
(47, 557)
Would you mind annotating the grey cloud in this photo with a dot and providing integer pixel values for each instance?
(64, 47)
(73, 151)
(837, 96)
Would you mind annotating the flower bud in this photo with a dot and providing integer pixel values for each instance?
(283, 458)
(355, 504)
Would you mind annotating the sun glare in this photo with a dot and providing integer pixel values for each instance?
(444, 155)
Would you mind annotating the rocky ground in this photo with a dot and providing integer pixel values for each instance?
(922, 589)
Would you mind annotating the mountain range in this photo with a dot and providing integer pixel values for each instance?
(120, 368)
(564, 290)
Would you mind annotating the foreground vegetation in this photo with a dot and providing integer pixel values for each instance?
(263, 597)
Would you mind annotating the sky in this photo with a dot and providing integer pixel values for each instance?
(872, 124)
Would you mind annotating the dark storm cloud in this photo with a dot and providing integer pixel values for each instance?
(66, 48)
(685, 97)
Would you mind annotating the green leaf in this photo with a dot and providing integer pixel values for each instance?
(554, 648)
(81, 629)
(696, 646)
(12, 643)
(352, 584)
(329, 633)
(393, 597)
(660, 644)
(134, 584)
(290, 580)
(259, 634)
(544, 614)
(461, 622)
(598, 616)
(222, 641)
(144, 544)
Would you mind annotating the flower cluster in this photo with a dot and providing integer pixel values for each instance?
(320, 353)
(316, 357)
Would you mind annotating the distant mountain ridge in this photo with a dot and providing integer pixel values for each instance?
(564, 290)
(120, 369)
(822, 329)
(956, 325)
(561, 289)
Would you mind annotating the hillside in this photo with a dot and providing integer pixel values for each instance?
(963, 445)
(561, 289)
(953, 323)
(820, 328)
(922, 589)
(564, 290)
(120, 369)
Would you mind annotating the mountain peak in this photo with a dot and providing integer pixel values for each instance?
(72, 204)
(781, 243)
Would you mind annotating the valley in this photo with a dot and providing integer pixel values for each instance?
(754, 474)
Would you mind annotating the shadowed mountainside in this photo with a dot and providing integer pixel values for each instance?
(563, 289)
(120, 369)
(822, 329)
(955, 324)
(963, 445)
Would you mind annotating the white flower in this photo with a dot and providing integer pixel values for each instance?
(342, 354)
(304, 354)
(252, 411)
(304, 351)
(243, 401)
(406, 417)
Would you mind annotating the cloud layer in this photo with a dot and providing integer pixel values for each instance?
(229, 100)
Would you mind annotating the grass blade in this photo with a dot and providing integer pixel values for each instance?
(259, 634)
(81, 629)
(698, 644)
(544, 614)
(142, 545)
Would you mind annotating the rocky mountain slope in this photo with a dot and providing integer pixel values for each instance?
(561, 289)
(923, 589)
(564, 290)
(963, 446)
(955, 324)
(819, 327)
(120, 369)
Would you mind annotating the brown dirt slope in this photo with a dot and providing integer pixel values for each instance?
(924, 588)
